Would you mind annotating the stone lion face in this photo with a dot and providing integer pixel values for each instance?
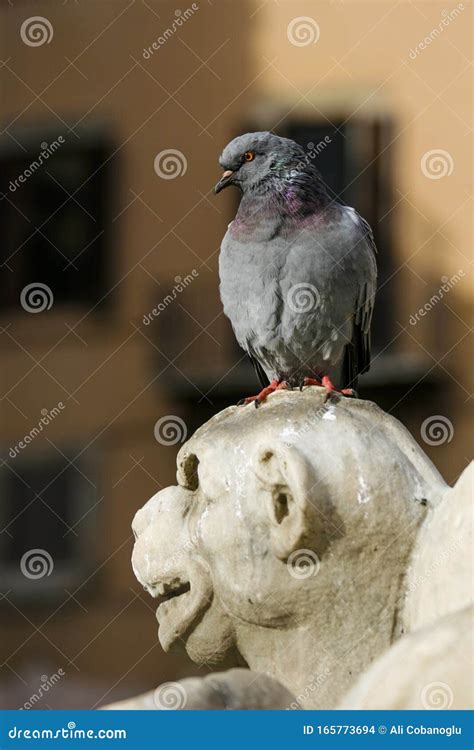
(203, 550)
(168, 564)
(273, 513)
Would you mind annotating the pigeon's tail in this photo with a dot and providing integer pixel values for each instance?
(356, 359)
(263, 380)
(349, 371)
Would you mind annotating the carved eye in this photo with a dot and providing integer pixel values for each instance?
(249, 156)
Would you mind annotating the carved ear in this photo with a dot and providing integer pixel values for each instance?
(286, 478)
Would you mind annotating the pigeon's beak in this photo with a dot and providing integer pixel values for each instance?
(225, 180)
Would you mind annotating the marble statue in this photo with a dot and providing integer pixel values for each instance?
(295, 552)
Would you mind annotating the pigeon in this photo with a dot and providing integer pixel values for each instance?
(297, 270)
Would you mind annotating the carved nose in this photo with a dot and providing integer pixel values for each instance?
(151, 588)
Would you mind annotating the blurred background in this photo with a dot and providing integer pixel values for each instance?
(113, 342)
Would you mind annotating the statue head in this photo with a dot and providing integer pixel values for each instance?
(297, 516)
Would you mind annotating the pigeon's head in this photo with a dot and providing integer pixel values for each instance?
(250, 160)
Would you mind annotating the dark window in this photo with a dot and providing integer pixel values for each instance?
(47, 523)
(54, 206)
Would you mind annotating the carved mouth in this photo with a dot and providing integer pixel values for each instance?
(181, 604)
(171, 591)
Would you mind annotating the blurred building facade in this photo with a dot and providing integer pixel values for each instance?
(130, 104)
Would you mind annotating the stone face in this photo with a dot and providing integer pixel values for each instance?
(285, 545)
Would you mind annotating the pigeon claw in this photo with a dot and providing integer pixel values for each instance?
(332, 390)
(275, 385)
(310, 381)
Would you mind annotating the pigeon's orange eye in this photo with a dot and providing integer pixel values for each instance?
(249, 156)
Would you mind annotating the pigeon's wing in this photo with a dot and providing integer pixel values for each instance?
(264, 381)
(357, 353)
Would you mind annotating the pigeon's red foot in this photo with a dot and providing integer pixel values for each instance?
(275, 385)
(311, 381)
(330, 388)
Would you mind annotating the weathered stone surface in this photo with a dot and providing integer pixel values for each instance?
(235, 689)
(432, 667)
(440, 577)
(314, 543)
(428, 669)
(288, 541)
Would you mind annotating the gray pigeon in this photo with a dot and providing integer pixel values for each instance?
(297, 269)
